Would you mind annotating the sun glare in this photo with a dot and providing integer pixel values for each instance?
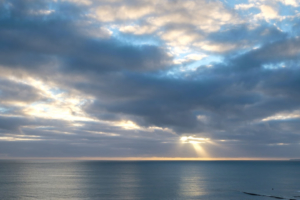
(193, 140)
(184, 138)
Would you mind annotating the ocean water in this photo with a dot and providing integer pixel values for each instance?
(149, 180)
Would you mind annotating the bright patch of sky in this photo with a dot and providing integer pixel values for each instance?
(56, 91)
(133, 39)
(205, 62)
(3, 110)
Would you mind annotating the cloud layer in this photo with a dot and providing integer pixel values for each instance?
(130, 78)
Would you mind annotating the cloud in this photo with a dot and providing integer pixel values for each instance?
(32, 43)
(11, 91)
(244, 6)
(222, 91)
(177, 23)
(109, 13)
(268, 12)
(138, 30)
(129, 78)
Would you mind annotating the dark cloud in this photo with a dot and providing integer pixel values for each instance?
(40, 43)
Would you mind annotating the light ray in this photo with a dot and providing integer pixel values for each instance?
(196, 144)
(200, 150)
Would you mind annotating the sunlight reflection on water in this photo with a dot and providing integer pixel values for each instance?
(146, 180)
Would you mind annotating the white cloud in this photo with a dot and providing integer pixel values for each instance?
(268, 12)
(138, 30)
(178, 23)
(294, 3)
(109, 13)
(283, 116)
(244, 6)
(180, 37)
(62, 105)
(190, 57)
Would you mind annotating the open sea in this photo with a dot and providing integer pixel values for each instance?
(149, 180)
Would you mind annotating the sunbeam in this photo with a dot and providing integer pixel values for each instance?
(199, 150)
(196, 144)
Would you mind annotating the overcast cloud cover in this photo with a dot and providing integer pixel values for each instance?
(150, 78)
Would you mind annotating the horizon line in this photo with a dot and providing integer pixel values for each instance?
(147, 159)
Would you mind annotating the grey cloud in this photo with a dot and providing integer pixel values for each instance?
(34, 42)
(229, 98)
(19, 92)
(282, 50)
(279, 51)
(108, 56)
(14, 123)
(245, 37)
(84, 141)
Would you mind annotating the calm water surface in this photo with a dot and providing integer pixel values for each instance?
(208, 180)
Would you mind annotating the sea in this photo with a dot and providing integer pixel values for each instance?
(149, 180)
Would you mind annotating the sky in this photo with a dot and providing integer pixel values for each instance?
(164, 79)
